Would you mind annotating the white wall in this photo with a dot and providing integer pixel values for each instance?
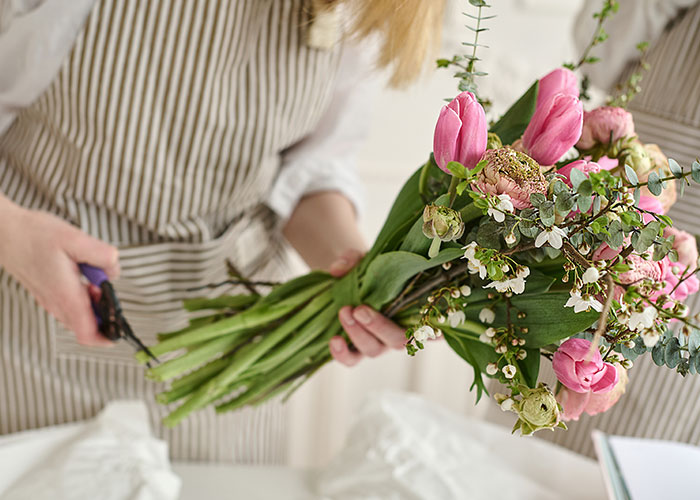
(527, 39)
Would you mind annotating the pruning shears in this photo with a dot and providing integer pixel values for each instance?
(108, 312)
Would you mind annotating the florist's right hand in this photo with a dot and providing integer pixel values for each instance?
(42, 252)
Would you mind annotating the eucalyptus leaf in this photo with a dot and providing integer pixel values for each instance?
(631, 175)
(657, 354)
(654, 184)
(577, 177)
(672, 352)
(675, 168)
(695, 171)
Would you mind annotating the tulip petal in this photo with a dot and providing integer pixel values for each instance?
(573, 403)
(473, 136)
(554, 129)
(561, 80)
(578, 349)
(607, 381)
(565, 369)
(445, 138)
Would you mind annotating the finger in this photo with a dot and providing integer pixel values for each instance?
(81, 247)
(345, 262)
(364, 341)
(342, 353)
(388, 332)
(77, 313)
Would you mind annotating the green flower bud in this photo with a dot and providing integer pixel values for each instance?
(493, 141)
(537, 409)
(441, 224)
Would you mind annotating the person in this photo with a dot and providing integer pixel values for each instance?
(658, 402)
(156, 139)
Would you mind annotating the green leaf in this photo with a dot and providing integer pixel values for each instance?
(346, 292)
(657, 353)
(530, 367)
(386, 276)
(537, 199)
(547, 213)
(654, 184)
(631, 175)
(695, 171)
(584, 203)
(475, 353)
(565, 203)
(675, 168)
(585, 188)
(458, 170)
(672, 352)
(546, 317)
(514, 122)
(577, 177)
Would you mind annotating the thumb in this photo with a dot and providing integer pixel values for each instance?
(82, 248)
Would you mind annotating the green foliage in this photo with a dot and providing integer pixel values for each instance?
(514, 122)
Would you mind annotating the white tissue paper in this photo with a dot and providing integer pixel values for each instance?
(112, 457)
(404, 447)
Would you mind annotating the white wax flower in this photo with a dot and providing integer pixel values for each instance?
(424, 333)
(580, 304)
(456, 318)
(501, 207)
(486, 315)
(642, 320)
(592, 275)
(553, 235)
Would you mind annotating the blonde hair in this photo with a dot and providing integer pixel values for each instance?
(409, 31)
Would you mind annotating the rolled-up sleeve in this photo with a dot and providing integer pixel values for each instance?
(326, 160)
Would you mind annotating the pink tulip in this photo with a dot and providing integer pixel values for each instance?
(686, 246)
(575, 403)
(461, 132)
(579, 375)
(583, 165)
(599, 123)
(559, 81)
(554, 129)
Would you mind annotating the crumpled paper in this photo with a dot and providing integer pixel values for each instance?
(403, 447)
(112, 457)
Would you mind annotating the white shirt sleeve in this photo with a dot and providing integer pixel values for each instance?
(636, 21)
(326, 159)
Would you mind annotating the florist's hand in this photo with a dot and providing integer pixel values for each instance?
(42, 251)
(370, 332)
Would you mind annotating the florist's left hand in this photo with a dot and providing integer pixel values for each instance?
(370, 332)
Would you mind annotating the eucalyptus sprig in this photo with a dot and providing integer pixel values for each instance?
(610, 7)
(628, 91)
(466, 63)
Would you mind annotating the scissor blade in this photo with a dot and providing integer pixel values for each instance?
(129, 336)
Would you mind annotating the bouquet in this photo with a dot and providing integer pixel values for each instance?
(541, 237)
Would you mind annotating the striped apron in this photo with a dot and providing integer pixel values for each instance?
(660, 403)
(162, 134)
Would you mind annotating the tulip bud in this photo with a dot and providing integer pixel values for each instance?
(461, 132)
(559, 81)
(554, 129)
(602, 123)
(493, 142)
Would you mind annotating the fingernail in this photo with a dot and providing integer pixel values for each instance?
(346, 316)
(363, 315)
(336, 345)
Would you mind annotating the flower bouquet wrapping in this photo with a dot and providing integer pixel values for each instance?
(541, 237)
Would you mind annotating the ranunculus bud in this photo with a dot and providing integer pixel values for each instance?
(441, 224)
(461, 132)
(554, 129)
(559, 81)
(584, 166)
(493, 142)
(537, 409)
(600, 123)
(513, 173)
(579, 374)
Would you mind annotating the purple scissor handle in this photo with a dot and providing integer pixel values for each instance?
(108, 311)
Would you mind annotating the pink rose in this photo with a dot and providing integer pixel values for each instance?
(686, 246)
(599, 123)
(583, 165)
(461, 132)
(554, 129)
(643, 269)
(559, 81)
(575, 403)
(579, 375)
(606, 163)
(604, 252)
